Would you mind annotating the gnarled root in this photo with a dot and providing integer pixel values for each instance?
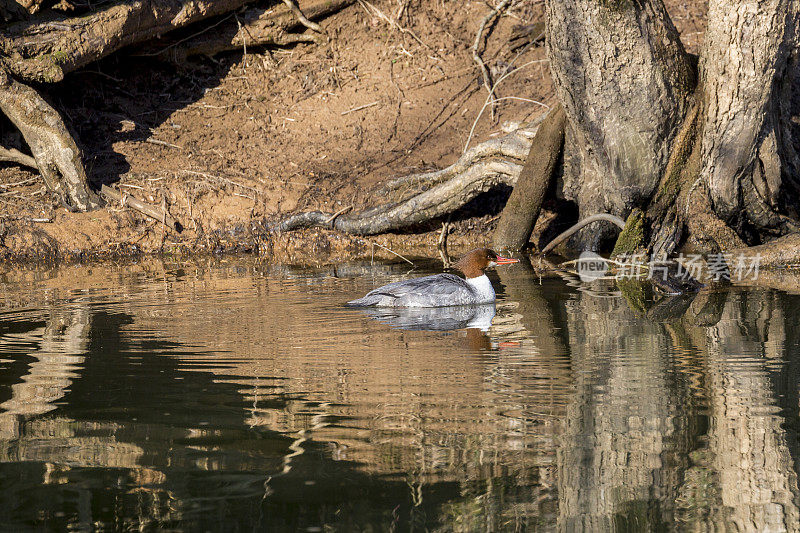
(614, 219)
(418, 198)
(58, 158)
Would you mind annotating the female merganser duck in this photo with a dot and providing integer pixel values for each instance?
(441, 290)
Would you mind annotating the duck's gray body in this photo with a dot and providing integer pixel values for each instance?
(431, 291)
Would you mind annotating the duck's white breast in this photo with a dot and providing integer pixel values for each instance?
(483, 288)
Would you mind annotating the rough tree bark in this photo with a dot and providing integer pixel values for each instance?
(624, 80)
(748, 72)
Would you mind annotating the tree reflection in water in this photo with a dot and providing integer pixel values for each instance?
(245, 397)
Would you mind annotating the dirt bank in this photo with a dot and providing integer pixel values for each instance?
(232, 143)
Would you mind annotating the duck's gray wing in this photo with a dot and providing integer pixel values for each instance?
(430, 291)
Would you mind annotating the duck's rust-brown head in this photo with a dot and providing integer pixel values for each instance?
(474, 263)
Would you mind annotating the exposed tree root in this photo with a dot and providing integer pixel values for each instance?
(522, 209)
(779, 253)
(419, 198)
(13, 155)
(436, 202)
(514, 146)
(614, 219)
(302, 18)
(58, 158)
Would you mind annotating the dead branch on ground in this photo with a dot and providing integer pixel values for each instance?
(257, 26)
(157, 213)
(522, 209)
(476, 56)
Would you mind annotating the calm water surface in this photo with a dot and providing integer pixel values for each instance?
(237, 396)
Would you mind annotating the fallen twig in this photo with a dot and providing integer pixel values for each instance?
(490, 98)
(162, 143)
(146, 209)
(407, 260)
(337, 213)
(371, 9)
(17, 183)
(442, 244)
(359, 108)
(220, 178)
(487, 79)
(176, 43)
(27, 218)
(302, 18)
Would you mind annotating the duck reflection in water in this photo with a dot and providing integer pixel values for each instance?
(475, 319)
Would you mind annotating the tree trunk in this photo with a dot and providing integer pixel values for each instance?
(714, 167)
(624, 79)
(748, 70)
(733, 175)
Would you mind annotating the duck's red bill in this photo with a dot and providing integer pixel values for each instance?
(505, 260)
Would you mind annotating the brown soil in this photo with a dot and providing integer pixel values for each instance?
(231, 144)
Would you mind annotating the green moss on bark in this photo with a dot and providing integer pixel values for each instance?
(632, 236)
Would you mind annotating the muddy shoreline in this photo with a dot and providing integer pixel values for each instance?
(310, 246)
